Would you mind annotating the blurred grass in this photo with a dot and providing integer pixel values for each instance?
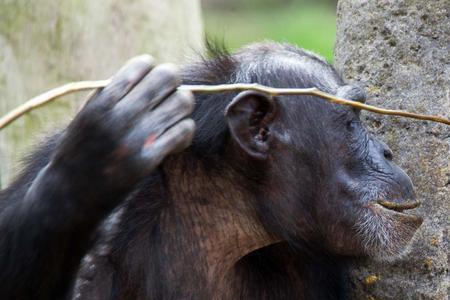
(310, 26)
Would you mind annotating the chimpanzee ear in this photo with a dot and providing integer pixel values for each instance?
(249, 116)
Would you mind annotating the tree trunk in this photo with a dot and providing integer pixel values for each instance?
(400, 49)
(46, 43)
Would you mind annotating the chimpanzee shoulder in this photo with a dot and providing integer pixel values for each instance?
(31, 165)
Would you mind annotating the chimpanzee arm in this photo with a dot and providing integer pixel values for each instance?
(51, 213)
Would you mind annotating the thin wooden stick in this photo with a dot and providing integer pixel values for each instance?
(48, 97)
(87, 85)
(311, 92)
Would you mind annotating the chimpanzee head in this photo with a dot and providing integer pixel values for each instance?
(320, 179)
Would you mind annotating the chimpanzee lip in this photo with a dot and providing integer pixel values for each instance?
(399, 207)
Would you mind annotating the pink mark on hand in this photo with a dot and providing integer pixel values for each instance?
(150, 140)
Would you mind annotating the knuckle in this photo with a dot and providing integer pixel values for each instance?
(134, 69)
(115, 88)
(168, 72)
(144, 59)
(131, 73)
(188, 125)
(185, 101)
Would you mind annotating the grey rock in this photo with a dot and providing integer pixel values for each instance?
(400, 51)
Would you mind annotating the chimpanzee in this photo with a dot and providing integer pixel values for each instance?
(270, 200)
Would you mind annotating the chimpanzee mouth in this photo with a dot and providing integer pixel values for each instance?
(399, 207)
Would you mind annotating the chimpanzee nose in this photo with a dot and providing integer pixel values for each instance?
(387, 153)
(384, 150)
(402, 180)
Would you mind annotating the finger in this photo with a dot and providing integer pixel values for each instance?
(149, 92)
(153, 123)
(124, 80)
(176, 139)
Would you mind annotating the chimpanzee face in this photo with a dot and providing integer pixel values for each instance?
(327, 180)
(361, 196)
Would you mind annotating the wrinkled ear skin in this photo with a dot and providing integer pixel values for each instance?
(250, 116)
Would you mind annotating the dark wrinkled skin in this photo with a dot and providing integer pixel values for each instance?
(269, 201)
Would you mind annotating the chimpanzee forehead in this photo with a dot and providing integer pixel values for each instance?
(271, 64)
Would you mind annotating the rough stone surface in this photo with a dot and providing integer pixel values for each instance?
(46, 43)
(400, 51)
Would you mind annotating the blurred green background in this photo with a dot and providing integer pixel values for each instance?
(307, 23)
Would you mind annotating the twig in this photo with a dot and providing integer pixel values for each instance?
(86, 85)
(48, 97)
(311, 92)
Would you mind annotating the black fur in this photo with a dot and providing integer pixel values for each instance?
(133, 263)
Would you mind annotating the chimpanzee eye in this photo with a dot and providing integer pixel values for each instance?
(350, 125)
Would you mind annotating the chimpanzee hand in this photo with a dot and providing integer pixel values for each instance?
(127, 128)
(120, 136)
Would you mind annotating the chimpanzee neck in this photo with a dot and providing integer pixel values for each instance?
(215, 220)
(208, 243)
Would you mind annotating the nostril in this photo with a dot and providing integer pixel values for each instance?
(387, 153)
